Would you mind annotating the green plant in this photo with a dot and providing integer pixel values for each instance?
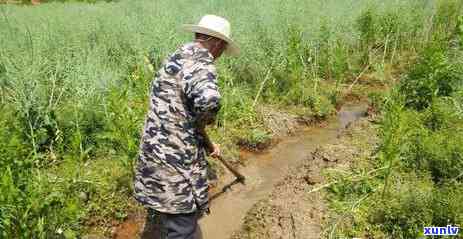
(460, 29)
(434, 75)
(365, 24)
(256, 139)
(405, 210)
(447, 204)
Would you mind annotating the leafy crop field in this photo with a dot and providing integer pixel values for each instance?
(74, 82)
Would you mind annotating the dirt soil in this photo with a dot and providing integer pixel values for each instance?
(296, 208)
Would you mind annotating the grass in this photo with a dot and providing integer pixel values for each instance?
(74, 82)
(420, 146)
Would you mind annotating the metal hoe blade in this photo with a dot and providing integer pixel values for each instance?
(239, 178)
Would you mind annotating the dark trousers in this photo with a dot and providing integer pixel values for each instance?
(160, 225)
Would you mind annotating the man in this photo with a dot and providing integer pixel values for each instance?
(171, 172)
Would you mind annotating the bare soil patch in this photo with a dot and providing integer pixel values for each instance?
(296, 209)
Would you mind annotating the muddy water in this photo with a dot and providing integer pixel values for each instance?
(264, 170)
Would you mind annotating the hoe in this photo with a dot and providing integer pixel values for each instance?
(239, 178)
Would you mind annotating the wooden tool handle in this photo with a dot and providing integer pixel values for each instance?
(237, 174)
(210, 148)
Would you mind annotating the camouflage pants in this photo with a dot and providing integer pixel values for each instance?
(171, 226)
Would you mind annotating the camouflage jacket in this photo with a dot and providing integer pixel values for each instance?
(171, 171)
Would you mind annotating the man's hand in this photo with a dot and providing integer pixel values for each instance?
(216, 151)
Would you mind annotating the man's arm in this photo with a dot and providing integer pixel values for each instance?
(202, 91)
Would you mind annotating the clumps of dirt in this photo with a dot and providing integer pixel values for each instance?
(334, 152)
(296, 209)
(292, 210)
(278, 122)
(256, 145)
(132, 227)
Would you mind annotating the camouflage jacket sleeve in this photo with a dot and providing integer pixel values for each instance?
(203, 94)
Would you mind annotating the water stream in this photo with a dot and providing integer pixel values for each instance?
(265, 169)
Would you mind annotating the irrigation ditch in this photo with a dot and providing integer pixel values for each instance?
(234, 213)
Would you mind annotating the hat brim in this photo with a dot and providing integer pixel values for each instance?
(232, 48)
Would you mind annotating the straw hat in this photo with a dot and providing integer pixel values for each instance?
(215, 26)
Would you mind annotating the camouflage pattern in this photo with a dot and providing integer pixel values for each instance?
(170, 175)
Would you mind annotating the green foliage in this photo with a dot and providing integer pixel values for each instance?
(390, 24)
(73, 94)
(420, 154)
(320, 105)
(447, 204)
(460, 29)
(405, 210)
(347, 190)
(447, 13)
(377, 100)
(434, 75)
(415, 203)
(34, 206)
(255, 139)
(438, 147)
(365, 24)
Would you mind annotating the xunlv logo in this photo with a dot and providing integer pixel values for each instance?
(441, 231)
